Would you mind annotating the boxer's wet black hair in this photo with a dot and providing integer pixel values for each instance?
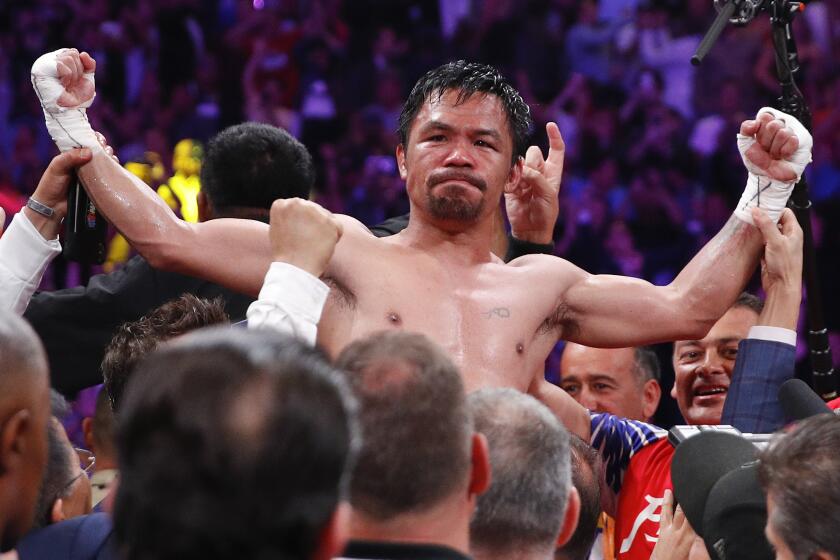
(469, 78)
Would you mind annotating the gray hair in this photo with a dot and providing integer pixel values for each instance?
(645, 364)
(21, 351)
(416, 428)
(529, 458)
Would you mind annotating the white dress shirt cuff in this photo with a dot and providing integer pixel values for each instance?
(291, 301)
(24, 256)
(773, 334)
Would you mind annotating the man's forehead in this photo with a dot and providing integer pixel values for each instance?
(478, 109)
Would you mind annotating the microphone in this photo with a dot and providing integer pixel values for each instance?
(85, 229)
(799, 401)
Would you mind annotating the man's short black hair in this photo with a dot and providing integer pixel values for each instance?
(231, 444)
(469, 78)
(135, 339)
(417, 431)
(253, 164)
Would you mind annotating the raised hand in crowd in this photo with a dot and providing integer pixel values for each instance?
(532, 204)
(303, 234)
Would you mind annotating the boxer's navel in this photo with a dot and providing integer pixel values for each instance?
(520, 348)
(393, 319)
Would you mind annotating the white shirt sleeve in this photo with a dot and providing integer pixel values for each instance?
(24, 256)
(291, 301)
(773, 334)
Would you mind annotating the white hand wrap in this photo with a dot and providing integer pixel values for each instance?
(68, 126)
(769, 194)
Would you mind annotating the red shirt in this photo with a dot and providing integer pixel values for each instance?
(640, 500)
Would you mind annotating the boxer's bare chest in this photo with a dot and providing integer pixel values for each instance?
(494, 321)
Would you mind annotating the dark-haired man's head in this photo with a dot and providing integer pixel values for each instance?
(531, 506)
(248, 166)
(703, 368)
(24, 416)
(233, 444)
(420, 458)
(800, 471)
(586, 467)
(621, 381)
(462, 131)
(134, 340)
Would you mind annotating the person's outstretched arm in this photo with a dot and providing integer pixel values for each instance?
(614, 311)
(234, 253)
(31, 242)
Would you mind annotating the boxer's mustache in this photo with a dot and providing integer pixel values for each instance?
(444, 175)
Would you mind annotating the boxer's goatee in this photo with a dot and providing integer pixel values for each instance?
(451, 205)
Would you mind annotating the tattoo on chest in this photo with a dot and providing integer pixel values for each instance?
(500, 312)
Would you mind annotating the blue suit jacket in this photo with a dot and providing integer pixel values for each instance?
(87, 537)
(752, 403)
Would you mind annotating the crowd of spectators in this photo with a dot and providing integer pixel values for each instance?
(246, 442)
(652, 169)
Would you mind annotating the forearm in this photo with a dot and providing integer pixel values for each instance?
(574, 416)
(714, 278)
(134, 209)
(781, 307)
(24, 256)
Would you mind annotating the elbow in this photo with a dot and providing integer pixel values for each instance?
(697, 329)
(697, 316)
(163, 251)
(158, 256)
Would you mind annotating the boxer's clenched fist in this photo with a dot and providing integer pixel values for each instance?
(303, 234)
(63, 81)
(775, 148)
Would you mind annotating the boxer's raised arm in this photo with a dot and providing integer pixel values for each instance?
(617, 311)
(231, 252)
(234, 253)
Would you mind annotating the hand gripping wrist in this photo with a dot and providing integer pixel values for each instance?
(770, 194)
(68, 126)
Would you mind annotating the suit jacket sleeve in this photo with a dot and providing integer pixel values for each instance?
(752, 403)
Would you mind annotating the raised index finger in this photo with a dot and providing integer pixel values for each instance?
(556, 145)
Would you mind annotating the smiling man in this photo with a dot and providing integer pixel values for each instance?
(703, 368)
(463, 131)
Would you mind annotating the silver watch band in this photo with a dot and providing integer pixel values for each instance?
(42, 209)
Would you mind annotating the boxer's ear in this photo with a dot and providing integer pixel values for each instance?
(401, 162)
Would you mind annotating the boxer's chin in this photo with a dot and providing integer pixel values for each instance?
(455, 207)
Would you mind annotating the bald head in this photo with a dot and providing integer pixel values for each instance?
(24, 412)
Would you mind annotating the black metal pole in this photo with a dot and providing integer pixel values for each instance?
(714, 32)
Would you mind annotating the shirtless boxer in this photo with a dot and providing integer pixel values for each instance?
(438, 276)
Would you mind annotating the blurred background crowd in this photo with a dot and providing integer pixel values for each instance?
(652, 168)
